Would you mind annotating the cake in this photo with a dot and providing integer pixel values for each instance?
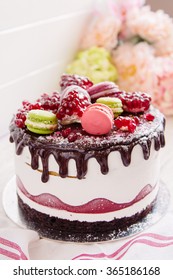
(76, 183)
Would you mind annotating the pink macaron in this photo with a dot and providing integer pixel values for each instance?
(97, 119)
(103, 89)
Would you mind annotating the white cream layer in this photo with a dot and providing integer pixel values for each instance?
(121, 185)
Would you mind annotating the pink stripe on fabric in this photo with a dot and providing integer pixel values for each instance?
(9, 254)
(128, 245)
(146, 242)
(13, 245)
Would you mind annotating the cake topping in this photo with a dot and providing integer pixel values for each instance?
(68, 91)
(49, 102)
(125, 124)
(86, 129)
(134, 102)
(97, 119)
(103, 89)
(149, 117)
(41, 122)
(74, 101)
(45, 102)
(113, 103)
(68, 80)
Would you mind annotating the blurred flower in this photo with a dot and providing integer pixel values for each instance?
(102, 32)
(121, 8)
(95, 63)
(134, 65)
(154, 27)
(162, 93)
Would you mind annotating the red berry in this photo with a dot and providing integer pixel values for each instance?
(25, 103)
(72, 137)
(125, 124)
(131, 126)
(21, 116)
(136, 119)
(57, 133)
(65, 132)
(149, 117)
(68, 80)
(20, 123)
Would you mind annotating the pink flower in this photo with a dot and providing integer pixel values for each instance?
(102, 32)
(139, 70)
(154, 27)
(135, 66)
(162, 94)
(121, 8)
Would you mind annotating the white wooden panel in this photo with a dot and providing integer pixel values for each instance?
(29, 49)
(14, 13)
(29, 88)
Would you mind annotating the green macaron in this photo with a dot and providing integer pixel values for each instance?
(112, 102)
(41, 122)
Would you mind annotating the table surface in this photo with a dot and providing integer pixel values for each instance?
(7, 165)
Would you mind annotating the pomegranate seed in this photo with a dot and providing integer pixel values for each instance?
(19, 123)
(137, 120)
(25, 103)
(131, 127)
(149, 117)
(57, 133)
(72, 137)
(66, 132)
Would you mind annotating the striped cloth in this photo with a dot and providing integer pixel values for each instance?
(154, 244)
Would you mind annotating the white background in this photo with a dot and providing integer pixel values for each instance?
(37, 40)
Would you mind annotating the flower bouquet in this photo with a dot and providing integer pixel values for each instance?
(128, 43)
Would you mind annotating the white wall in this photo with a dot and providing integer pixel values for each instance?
(37, 40)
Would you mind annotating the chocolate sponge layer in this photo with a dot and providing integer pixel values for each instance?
(76, 231)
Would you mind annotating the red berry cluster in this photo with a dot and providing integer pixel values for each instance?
(73, 104)
(134, 102)
(46, 102)
(69, 133)
(20, 117)
(74, 99)
(126, 123)
(68, 80)
(50, 102)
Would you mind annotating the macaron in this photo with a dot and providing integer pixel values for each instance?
(97, 119)
(103, 89)
(41, 121)
(113, 103)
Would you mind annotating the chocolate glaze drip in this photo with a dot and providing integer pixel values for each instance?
(84, 149)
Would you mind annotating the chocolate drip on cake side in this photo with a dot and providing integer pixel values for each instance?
(44, 149)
